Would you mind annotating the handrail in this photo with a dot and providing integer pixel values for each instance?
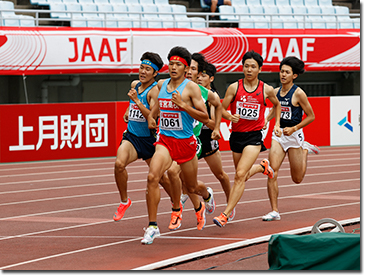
(204, 15)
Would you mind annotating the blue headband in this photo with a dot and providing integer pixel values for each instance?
(149, 63)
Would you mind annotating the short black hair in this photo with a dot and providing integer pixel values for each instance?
(200, 59)
(210, 69)
(252, 54)
(181, 52)
(154, 58)
(295, 63)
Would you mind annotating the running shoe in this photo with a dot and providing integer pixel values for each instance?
(210, 204)
(272, 216)
(233, 213)
(312, 149)
(268, 171)
(176, 217)
(221, 220)
(118, 215)
(183, 199)
(150, 234)
(200, 217)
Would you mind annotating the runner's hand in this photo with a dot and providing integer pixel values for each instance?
(133, 95)
(277, 131)
(216, 135)
(235, 118)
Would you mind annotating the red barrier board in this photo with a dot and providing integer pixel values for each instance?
(57, 131)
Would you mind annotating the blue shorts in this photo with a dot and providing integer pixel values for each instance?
(209, 2)
(143, 145)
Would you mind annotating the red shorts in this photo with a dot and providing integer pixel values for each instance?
(181, 150)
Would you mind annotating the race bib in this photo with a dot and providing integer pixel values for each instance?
(135, 113)
(250, 111)
(171, 121)
(285, 112)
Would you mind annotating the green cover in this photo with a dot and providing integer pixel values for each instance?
(323, 251)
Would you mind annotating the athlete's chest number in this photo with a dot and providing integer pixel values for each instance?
(171, 121)
(135, 114)
(248, 111)
(285, 112)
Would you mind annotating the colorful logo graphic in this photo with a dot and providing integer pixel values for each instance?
(346, 121)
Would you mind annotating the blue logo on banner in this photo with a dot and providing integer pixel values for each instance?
(346, 121)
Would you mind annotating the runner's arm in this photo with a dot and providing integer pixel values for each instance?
(230, 93)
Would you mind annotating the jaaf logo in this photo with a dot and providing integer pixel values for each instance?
(346, 121)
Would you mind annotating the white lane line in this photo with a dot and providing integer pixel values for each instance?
(143, 189)
(141, 216)
(163, 234)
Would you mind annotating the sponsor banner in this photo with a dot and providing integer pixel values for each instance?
(35, 132)
(345, 120)
(56, 131)
(32, 51)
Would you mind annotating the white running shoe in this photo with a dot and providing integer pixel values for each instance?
(183, 199)
(312, 149)
(150, 234)
(233, 213)
(210, 204)
(272, 216)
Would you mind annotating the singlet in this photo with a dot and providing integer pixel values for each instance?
(206, 132)
(251, 108)
(137, 123)
(174, 121)
(198, 126)
(290, 115)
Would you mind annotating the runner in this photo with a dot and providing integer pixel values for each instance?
(138, 140)
(247, 97)
(294, 102)
(180, 102)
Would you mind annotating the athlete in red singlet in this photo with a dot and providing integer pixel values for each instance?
(247, 100)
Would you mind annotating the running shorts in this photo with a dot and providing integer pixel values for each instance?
(238, 140)
(295, 140)
(143, 145)
(209, 2)
(208, 147)
(181, 150)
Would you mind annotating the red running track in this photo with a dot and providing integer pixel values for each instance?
(57, 215)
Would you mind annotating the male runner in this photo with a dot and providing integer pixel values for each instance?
(247, 97)
(294, 102)
(138, 140)
(180, 102)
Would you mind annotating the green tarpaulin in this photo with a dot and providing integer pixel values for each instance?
(323, 251)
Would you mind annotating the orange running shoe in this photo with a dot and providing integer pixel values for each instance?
(118, 215)
(221, 220)
(268, 171)
(176, 217)
(200, 216)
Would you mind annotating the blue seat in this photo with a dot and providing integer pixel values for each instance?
(120, 13)
(58, 10)
(150, 16)
(136, 17)
(70, 1)
(78, 21)
(266, 3)
(146, 2)
(315, 18)
(325, 3)
(86, 1)
(203, 5)
(162, 2)
(227, 13)
(296, 3)
(105, 9)
(116, 2)
(343, 15)
(74, 9)
(285, 14)
(182, 20)
(272, 13)
(244, 19)
(101, 2)
(238, 3)
(167, 18)
(258, 17)
(131, 2)
(197, 22)
(300, 13)
(328, 15)
(310, 3)
(280, 3)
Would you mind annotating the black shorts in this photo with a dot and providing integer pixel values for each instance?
(143, 145)
(238, 141)
(208, 147)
